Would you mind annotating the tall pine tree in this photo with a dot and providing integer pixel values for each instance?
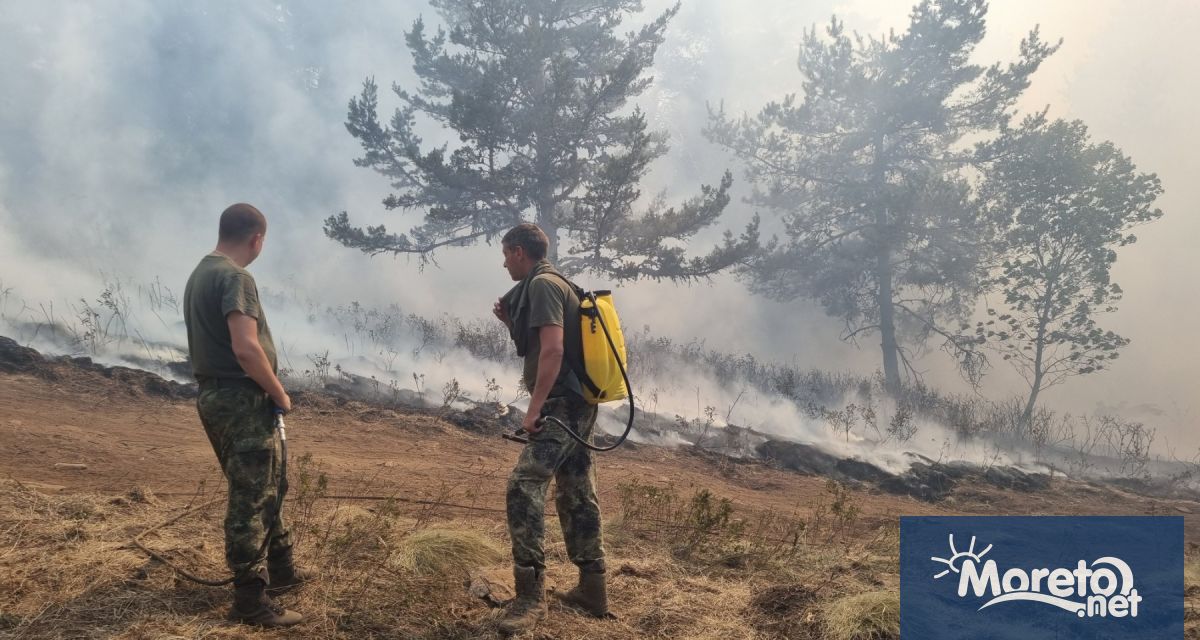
(538, 93)
(864, 171)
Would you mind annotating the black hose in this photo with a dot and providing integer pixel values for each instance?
(276, 520)
(628, 389)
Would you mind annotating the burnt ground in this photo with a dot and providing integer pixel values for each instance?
(132, 428)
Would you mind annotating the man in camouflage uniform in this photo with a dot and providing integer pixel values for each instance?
(542, 314)
(233, 358)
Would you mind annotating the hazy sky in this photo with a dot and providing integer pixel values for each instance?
(125, 127)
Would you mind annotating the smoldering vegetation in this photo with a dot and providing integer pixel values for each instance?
(902, 187)
(917, 442)
(901, 176)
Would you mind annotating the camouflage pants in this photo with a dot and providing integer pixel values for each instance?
(553, 453)
(241, 429)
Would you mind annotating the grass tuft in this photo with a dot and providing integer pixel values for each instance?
(874, 615)
(432, 552)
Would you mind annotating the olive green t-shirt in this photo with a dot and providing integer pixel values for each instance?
(216, 288)
(552, 302)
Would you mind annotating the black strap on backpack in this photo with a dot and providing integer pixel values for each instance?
(577, 368)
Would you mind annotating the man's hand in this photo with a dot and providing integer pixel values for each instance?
(500, 311)
(284, 403)
(530, 424)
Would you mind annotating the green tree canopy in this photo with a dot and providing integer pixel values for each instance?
(538, 93)
(1060, 205)
(864, 172)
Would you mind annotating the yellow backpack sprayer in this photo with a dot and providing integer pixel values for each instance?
(602, 372)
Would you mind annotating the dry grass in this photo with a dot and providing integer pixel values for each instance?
(67, 570)
(349, 516)
(1191, 574)
(1191, 592)
(445, 552)
(865, 616)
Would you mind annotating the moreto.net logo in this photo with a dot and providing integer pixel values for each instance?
(1041, 578)
(1103, 587)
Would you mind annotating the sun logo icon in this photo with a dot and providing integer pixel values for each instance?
(958, 557)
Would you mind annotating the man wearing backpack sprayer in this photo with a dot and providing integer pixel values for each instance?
(536, 311)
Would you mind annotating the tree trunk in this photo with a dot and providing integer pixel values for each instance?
(545, 220)
(1038, 358)
(1027, 414)
(887, 322)
(883, 273)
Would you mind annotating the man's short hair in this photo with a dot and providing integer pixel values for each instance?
(529, 237)
(241, 221)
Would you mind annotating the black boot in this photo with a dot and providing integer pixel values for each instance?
(284, 574)
(251, 605)
(591, 594)
(529, 606)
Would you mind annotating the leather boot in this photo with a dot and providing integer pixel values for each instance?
(284, 574)
(251, 605)
(590, 595)
(529, 606)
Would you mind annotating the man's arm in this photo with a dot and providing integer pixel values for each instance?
(243, 329)
(550, 359)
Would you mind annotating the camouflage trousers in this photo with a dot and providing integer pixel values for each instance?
(551, 453)
(241, 429)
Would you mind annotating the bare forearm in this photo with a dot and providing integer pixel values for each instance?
(253, 361)
(549, 364)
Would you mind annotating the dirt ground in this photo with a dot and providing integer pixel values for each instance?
(433, 471)
(129, 439)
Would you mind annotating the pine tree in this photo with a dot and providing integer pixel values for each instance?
(865, 171)
(538, 93)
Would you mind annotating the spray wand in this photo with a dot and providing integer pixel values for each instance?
(520, 434)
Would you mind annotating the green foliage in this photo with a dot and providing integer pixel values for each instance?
(863, 172)
(901, 426)
(697, 525)
(1060, 205)
(704, 516)
(707, 527)
(845, 419)
(310, 484)
(537, 93)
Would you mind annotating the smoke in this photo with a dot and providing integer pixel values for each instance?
(1124, 71)
(124, 132)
